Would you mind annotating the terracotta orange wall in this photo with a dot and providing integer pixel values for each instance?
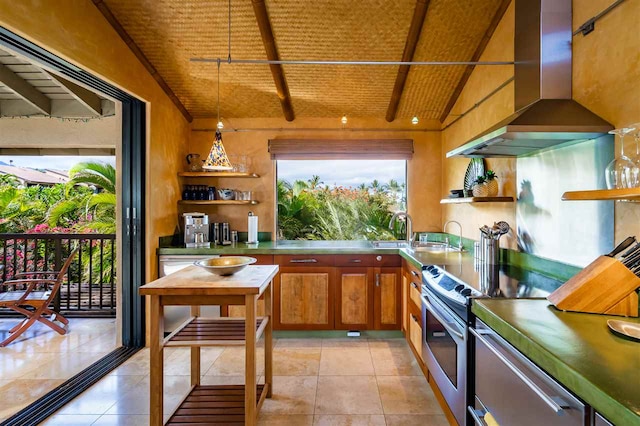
(76, 31)
(606, 79)
(424, 170)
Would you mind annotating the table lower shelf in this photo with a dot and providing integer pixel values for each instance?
(220, 404)
(198, 331)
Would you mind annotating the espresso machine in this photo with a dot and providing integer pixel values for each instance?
(196, 230)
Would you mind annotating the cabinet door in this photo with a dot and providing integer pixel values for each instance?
(354, 298)
(387, 305)
(304, 299)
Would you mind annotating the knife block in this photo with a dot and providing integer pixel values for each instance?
(605, 286)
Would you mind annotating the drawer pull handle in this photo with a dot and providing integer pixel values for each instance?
(355, 260)
(413, 317)
(555, 403)
(478, 416)
(414, 285)
(415, 274)
(303, 261)
(377, 280)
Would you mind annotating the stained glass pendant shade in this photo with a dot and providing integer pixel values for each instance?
(217, 159)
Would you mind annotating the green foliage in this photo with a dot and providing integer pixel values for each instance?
(490, 175)
(74, 206)
(309, 211)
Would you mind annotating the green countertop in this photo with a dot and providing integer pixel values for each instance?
(577, 349)
(458, 261)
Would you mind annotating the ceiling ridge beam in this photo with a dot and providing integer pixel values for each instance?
(109, 16)
(26, 91)
(86, 98)
(413, 37)
(282, 88)
(475, 58)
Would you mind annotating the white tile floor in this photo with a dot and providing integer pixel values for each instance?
(41, 359)
(316, 382)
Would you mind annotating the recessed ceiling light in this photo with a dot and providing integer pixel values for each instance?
(415, 120)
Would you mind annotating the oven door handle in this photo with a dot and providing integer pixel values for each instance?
(441, 320)
(555, 403)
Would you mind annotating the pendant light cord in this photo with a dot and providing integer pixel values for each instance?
(229, 57)
(218, 90)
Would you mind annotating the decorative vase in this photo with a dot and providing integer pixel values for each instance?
(480, 190)
(492, 187)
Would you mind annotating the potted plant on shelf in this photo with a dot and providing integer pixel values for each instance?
(486, 186)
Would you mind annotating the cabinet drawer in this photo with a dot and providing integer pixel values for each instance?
(304, 260)
(414, 294)
(262, 259)
(354, 260)
(386, 260)
(415, 334)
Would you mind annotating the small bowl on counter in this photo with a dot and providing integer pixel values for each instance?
(225, 265)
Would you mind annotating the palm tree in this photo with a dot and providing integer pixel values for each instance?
(99, 208)
(377, 187)
(314, 182)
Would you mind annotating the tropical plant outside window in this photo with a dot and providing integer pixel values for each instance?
(339, 199)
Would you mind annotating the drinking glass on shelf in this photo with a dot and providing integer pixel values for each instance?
(242, 163)
(233, 159)
(622, 172)
(636, 159)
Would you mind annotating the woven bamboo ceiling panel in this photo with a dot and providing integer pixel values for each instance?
(169, 32)
(452, 31)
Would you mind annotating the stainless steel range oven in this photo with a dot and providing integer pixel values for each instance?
(446, 316)
(444, 349)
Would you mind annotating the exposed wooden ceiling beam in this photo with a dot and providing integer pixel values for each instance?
(476, 57)
(106, 12)
(262, 16)
(25, 90)
(86, 98)
(417, 22)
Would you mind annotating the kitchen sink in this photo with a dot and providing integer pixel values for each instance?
(390, 244)
(434, 247)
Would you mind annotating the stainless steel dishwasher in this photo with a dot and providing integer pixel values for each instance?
(514, 391)
(176, 315)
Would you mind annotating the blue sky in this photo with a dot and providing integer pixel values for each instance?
(53, 161)
(343, 172)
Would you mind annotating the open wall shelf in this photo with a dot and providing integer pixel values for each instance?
(476, 200)
(218, 175)
(631, 194)
(217, 202)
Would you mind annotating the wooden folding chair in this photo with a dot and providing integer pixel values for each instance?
(38, 291)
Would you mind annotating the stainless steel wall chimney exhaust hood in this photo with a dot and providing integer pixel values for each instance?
(546, 115)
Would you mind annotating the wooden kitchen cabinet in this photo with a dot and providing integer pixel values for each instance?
(354, 299)
(304, 298)
(387, 307)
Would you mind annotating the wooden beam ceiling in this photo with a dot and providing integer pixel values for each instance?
(282, 89)
(25, 90)
(86, 98)
(413, 36)
(476, 57)
(106, 12)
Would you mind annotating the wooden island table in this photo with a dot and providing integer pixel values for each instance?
(225, 404)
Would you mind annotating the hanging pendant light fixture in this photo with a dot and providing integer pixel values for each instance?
(217, 158)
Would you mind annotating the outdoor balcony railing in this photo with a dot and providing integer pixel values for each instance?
(89, 288)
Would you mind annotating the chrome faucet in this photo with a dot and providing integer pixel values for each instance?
(444, 229)
(407, 218)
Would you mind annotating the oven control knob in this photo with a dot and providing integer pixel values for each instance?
(435, 272)
(459, 288)
(429, 268)
(465, 292)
